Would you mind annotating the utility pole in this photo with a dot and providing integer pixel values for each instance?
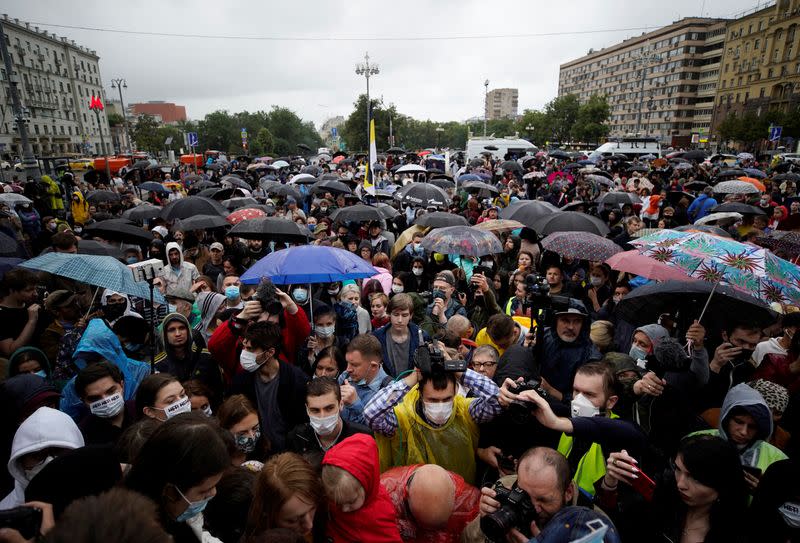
(367, 70)
(120, 84)
(96, 105)
(20, 118)
(485, 105)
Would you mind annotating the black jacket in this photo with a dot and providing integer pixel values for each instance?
(303, 441)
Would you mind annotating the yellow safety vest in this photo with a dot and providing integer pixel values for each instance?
(768, 454)
(591, 467)
(451, 446)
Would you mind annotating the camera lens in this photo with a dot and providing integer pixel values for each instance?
(498, 524)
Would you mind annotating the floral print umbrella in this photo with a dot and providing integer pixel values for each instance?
(745, 267)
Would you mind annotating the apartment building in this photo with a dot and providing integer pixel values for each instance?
(502, 104)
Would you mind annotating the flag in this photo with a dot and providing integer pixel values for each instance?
(369, 181)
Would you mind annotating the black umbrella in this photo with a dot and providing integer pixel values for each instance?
(791, 176)
(99, 196)
(152, 186)
(619, 157)
(332, 186)
(92, 247)
(738, 207)
(141, 165)
(236, 203)
(119, 230)
(422, 195)
(192, 177)
(675, 196)
(479, 187)
(442, 183)
(312, 170)
(570, 221)
(695, 185)
(143, 212)
(270, 229)
(395, 151)
(491, 148)
(236, 181)
(284, 191)
(387, 211)
(210, 192)
(8, 245)
(441, 219)
(732, 173)
(618, 199)
(687, 298)
(527, 211)
(357, 213)
(304, 147)
(574, 206)
(202, 222)
(214, 167)
(511, 165)
(191, 206)
(558, 153)
(640, 168)
(694, 155)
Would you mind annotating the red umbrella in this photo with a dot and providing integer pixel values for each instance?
(639, 264)
(563, 175)
(243, 214)
(338, 159)
(424, 153)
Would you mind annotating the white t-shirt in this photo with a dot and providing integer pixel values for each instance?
(769, 346)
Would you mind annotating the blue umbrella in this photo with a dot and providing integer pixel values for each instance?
(7, 263)
(754, 172)
(100, 271)
(308, 264)
(154, 187)
(469, 177)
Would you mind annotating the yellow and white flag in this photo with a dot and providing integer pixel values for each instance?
(369, 181)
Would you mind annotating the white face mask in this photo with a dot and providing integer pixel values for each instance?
(437, 413)
(595, 281)
(397, 289)
(416, 271)
(249, 361)
(581, 406)
(34, 471)
(325, 331)
(108, 407)
(181, 405)
(790, 511)
(206, 409)
(324, 426)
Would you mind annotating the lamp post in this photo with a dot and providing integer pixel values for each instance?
(439, 131)
(96, 105)
(485, 105)
(367, 70)
(120, 84)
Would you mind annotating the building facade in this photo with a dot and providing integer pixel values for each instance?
(502, 104)
(167, 112)
(660, 84)
(57, 79)
(761, 63)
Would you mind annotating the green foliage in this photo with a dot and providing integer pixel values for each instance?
(115, 119)
(562, 112)
(263, 143)
(145, 134)
(590, 125)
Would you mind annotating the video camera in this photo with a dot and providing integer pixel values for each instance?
(430, 359)
(521, 410)
(516, 511)
(538, 297)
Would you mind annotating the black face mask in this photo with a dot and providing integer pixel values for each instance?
(113, 311)
(744, 356)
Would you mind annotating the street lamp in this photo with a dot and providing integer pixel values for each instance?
(439, 131)
(120, 84)
(485, 105)
(367, 70)
(96, 105)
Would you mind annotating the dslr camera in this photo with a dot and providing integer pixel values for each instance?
(430, 359)
(521, 410)
(516, 511)
(538, 296)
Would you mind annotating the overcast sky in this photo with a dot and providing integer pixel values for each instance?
(436, 79)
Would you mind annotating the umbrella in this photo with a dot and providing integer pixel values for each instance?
(528, 211)
(748, 268)
(581, 245)
(558, 153)
(684, 166)
(499, 225)
(243, 214)
(278, 164)
(479, 187)
(469, 177)
(578, 204)
(235, 181)
(236, 203)
(411, 168)
(462, 240)
(638, 168)
(638, 264)
(511, 165)
(694, 155)
(755, 182)
(645, 304)
(441, 219)
(12, 198)
(318, 264)
(387, 211)
(570, 221)
(676, 196)
(731, 173)
(8, 245)
(745, 156)
(202, 222)
(720, 218)
(99, 196)
(695, 185)
(618, 199)
(270, 229)
(395, 151)
(204, 185)
(330, 185)
(754, 172)
(93, 247)
(476, 162)
(214, 167)
(442, 183)
(707, 228)
(152, 186)
(790, 176)
(191, 206)
(303, 179)
(119, 230)
(100, 271)
(735, 187)
(738, 207)
(8, 263)
(357, 213)
(422, 195)
(284, 191)
(778, 241)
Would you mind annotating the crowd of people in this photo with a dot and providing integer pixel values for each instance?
(465, 395)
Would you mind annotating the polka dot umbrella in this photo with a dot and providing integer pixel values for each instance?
(243, 214)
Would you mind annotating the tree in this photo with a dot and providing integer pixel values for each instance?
(591, 122)
(145, 134)
(562, 112)
(115, 119)
(540, 122)
(263, 142)
(217, 131)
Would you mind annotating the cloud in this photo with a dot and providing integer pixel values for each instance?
(441, 79)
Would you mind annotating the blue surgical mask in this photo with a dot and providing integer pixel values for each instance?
(300, 295)
(194, 509)
(131, 347)
(232, 292)
(131, 260)
(42, 374)
(637, 353)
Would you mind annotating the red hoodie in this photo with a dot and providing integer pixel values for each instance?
(375, 520)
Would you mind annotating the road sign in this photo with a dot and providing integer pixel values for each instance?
(191, 139)
(334, 132)
(168, 141)
(775, 133)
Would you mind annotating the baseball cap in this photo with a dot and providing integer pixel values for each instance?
(447, 277)
(218, 246)
(58, 299)
(571, 311)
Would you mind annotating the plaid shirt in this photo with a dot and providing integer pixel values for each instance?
(379, 412)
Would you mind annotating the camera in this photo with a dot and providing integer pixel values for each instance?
(438, 294)
(521, 410)
(516, 511)
(430, 359)
(538, 296)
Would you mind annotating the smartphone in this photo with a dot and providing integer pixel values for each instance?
(754, 471)
(26, 520)
(644, 485)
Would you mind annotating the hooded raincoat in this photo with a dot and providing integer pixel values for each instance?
(179, 279)
(375, 520)
(80, 208)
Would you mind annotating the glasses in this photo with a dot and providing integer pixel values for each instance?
(482, 365)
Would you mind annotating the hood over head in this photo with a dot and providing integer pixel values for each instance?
(175, 317)
(27, 392)
(655, 332)
(173, 245)
(208, 303)
(45, 428)
(742, 396)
